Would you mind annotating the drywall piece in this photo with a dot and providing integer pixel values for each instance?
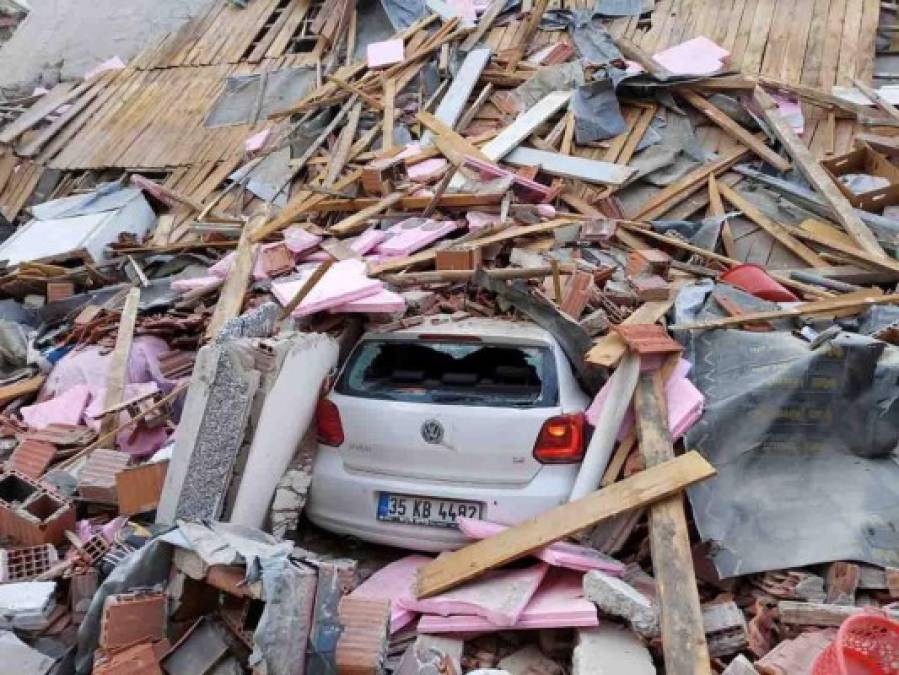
(510, 137)
(344, 282)
(383, 302)
(500, 597)
(558, 603)
(413, 234)
(560, 554)
(529, 661)
(620, 390)
(383, 54)
(610, 649)
(566, 166)
(63, 225)
(27, 661)
(685, 404)
(618, 598)
(286, 414)
(66, 408)
(210, 433)
(699, 56)
(394, 582)
(456, 97)
(26, 605)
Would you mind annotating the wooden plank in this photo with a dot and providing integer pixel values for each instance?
(341, 153)
(118, 367)
(877, 99)
(528, 32)
(233, 290)
(484, 23)
(556, 164)
(510, 137)
(453, 102)
(452, 145)
(716, 208)
(646, 487)
(389, 117)
(164, 226)
(816, 176)
(674, 194)
(776, 230)
(506, 235)
(849, 301)
(26, 387)
(61, 94)
(358, 221)
(683, 635)
(735, 130)
(830, 237)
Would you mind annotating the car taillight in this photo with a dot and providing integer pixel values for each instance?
(561, 440)
(330, 428)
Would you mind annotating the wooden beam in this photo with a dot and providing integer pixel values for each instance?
(505, 235)
(669, 197)
(510, 137)
(526, 35)
(877, 99)
(26, 387)
(777, 231)
(716, 208)
(233, 290)
(683, 635)
(358, 221)
(61, 94)
(118, 368)
(453, 102)
(341, 154)
(646, 487)
(818, 307)
(453, 146)
(484, 24)
(580, 168)
(306, 288)
(389, 118)
(817, 177)
(734, 130)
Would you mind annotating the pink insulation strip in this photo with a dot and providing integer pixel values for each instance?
(382, 302)
(66, 408)
(394, 582)
(413, 234)
(560, 554)
(699, 56)
(343, 283)
(558, 603)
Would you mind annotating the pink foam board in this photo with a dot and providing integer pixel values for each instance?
(685, 404)
(386, 53)
(195, 284)
(382, 302)
(299, 240)
(500, 596)
(256, 142)
(558, 603)
(65, 408)
(478, 220)
(699, 56)
(392, 582)
(560, 554)
(413, 234)
(428, 170)
(361, 244)
(343, 283)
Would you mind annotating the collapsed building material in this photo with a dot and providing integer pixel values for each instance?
(362, 645)
(131, 618)
(610, 649)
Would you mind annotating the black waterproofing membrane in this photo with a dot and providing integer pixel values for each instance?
(804, 443)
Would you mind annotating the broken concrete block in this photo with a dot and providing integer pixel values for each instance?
(530, 661)
(610, 649)
(26, 605)
(432, 654)
(290, 498)
(27, 661)
(618, 598)
(725, 628)
(129, 618)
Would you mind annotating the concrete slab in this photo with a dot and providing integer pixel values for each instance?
(610, 649)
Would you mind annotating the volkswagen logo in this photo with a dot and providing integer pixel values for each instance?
(432, 432)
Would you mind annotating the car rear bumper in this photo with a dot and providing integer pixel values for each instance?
(346, 503)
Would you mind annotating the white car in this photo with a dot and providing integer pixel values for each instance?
(480, 418)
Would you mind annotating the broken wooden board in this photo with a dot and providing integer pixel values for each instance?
(815, 174)
(644, 488)
(683, 634)
(117, 375)
(512, 136)
(580, 168)
(453, 102)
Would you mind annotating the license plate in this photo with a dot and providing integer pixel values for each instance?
(425, 510)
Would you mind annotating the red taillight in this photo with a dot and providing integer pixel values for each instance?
(561, 440)
(330, 428)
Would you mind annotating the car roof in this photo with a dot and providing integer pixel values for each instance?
(443, 324)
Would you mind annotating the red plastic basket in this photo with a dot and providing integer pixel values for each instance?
(866, 644)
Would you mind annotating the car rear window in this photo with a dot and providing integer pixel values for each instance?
(451, 372)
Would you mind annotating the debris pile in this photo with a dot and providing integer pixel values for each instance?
(598, 303)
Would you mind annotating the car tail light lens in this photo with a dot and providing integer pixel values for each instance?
(330, 428)
(561, 440)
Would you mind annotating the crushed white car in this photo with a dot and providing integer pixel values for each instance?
(480, 418)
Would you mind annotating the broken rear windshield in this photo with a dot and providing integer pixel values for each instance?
(453, 373)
